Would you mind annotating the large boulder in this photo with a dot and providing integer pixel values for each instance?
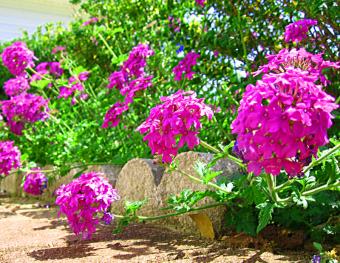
(175, 182)
(138, 180)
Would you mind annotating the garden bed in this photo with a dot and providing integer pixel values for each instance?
(33, 234)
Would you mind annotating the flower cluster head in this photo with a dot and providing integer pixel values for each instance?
(9, 157)
(35, 182)
(57, 49)
(282, 121)
(75, 88)
(92, 20)
(184, 66)
(52, 68)
(17, 57)
(174, 123)
(16, 86)
(83, 200)
(22, 109)
(112, 115)
(201, 2)
(298, 30)
(174, 23)
(129, 80)
(297, 58)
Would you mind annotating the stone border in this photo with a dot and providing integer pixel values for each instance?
(144, 178)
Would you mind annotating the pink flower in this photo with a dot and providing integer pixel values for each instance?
(136, 62)
(297, 58)
(75, 88)
(298, 30)
(83, 200)
(52, 68)
(16, 86)
(35, 182)
(111, 118)
(92, 20)
(57, 49)
(128, 80)
(282, 121)
(184, 66)
(9, 157)
(178, 117)
(17, 57)
(201, 2)
(22, 109)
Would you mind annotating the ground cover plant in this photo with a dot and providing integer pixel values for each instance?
(255, 83)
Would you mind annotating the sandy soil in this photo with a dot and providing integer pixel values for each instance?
(33, 234)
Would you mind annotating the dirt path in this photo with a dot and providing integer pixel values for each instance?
(31, 234)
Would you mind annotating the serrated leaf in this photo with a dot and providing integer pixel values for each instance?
(40, 84)
(133, 207)
(265, 215)
(203, 224)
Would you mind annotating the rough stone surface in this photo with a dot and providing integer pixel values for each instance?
(11, 184)
(138, 180)
(175, 182)
(110, 171)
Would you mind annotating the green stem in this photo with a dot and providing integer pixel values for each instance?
(40, 75)
(215, 150)
(107, 45)
(209, 147)
(201, 181)
(321, 188)
(151, 218)
(322, 157)
(287, 183)
(57, 121)
(315, 162)
(314, 191)
(271, 186)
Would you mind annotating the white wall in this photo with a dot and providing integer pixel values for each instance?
(19, 15)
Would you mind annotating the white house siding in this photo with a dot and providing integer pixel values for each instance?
(19, 15)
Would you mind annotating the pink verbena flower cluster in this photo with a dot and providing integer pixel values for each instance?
(35, 182)
(297, 58)
(16, 86)
(58, 49)
(17, 57)
(92, 20)
(298, 30)
(75, 88)
(83, 200)
(184, 66)
(22, 109)
(129, 80)
(201, 2)
(9, 157)
(52, 68)
(174, 123)
(174, 23)
(282, 121)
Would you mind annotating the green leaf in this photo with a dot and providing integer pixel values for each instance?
(265, 215)
(318, 246)
(205, 172)
(119, 59)
(40, 84)
(132, 207)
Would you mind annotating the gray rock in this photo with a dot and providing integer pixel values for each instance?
(138, 180)
(175, 182)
